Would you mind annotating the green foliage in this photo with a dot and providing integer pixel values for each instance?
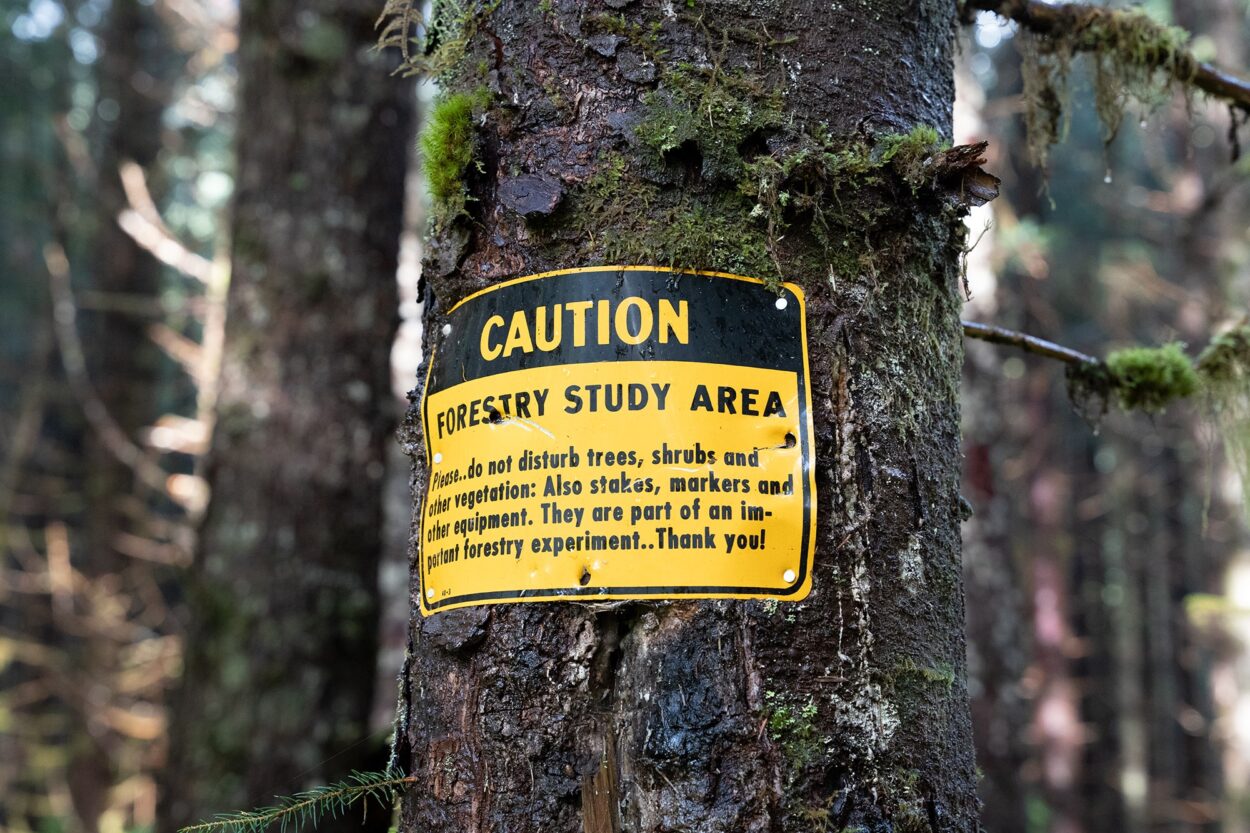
(307, 809)
(1148, 378)
(447, 149)
(433, 46)
(791, 724)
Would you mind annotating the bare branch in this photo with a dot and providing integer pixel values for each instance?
(143, 222)
(186, 352)
(64, 316)
(21, 441)
(1028, 343)
(162, 245)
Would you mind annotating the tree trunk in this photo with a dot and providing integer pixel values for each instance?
(651, 126)
(282, 640)
(135, 77)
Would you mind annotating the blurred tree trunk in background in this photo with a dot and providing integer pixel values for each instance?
(997, 409)
(282, 637)
(135, 88)
(1124, 248)
(135, 76)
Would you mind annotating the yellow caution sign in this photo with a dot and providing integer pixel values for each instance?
(619, 432)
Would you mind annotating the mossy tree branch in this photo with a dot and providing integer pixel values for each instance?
(1084, 26)
(1141, 378)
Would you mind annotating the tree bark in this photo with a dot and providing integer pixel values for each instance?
(847, 710)
(282, 640)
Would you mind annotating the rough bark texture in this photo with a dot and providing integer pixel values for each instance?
(282, 639)
(848, 710)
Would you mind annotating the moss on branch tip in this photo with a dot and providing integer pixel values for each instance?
(1141, 378)
(1149, 378)
(1226, 360)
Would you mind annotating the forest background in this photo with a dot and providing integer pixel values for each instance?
(1106, 565)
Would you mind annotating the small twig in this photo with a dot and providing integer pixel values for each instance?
(73, 359)
(308, 808)
(183, 350)
(142, 221)
(212, 352)
(1055, 19)
(1031, 344)
(163, 246)
(22, 440)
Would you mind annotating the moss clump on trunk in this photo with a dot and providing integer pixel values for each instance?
(447, 149)
(713, 111)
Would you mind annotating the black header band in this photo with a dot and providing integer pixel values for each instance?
(736, 322)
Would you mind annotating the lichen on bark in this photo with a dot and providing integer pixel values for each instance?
(1134, 60)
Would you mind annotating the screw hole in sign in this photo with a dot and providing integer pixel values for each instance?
(585, 579)
(790, 441)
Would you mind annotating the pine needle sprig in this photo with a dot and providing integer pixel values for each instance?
(308, 808)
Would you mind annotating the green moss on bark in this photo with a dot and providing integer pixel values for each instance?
(448, 148)
(791, 725)
(712, 111)
(635, 221)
